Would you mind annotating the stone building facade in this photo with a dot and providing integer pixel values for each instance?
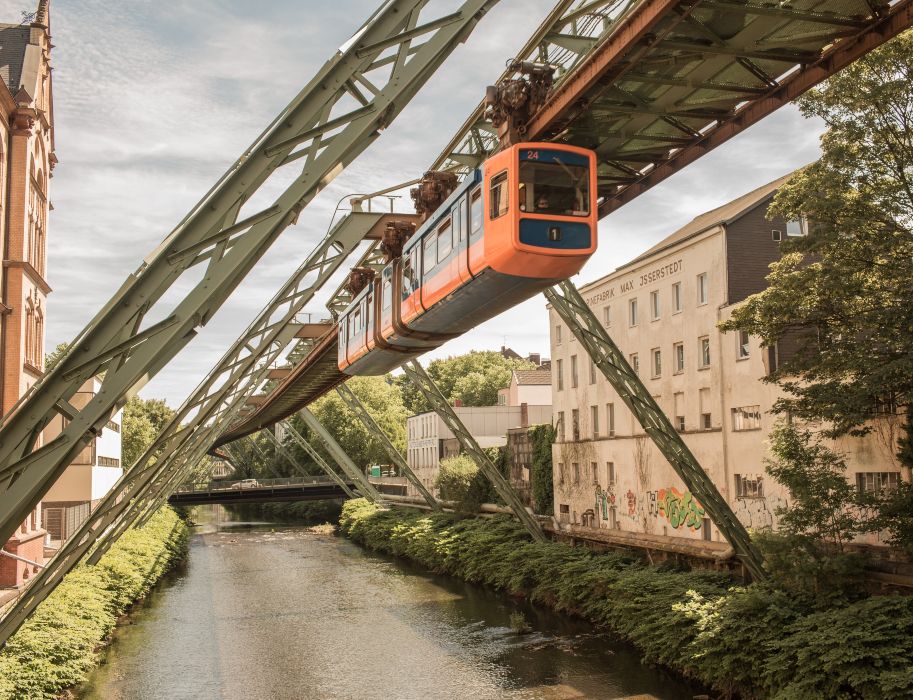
(662, 310)
(26, 161)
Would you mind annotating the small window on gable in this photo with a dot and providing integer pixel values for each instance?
(776, 235)
(498, 195)
(796, 228)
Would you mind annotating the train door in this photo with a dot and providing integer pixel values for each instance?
(369, 317)
(437, 274)
(385, 316)
(342, 337)
(461, 240)
(476, 244)
(411, 274)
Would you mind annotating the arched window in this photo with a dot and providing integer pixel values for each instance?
(38, 360)
(29, 324)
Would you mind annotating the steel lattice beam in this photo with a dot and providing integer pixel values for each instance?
(426, 386)
(358, 408)
(323, 129)
(316, 456)
(591, 334)
(281, 449)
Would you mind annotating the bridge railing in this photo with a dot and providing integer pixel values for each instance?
(244, 484)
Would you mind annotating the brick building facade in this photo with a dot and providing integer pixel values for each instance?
(26, 160)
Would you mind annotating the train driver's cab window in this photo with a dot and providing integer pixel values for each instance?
(429, 259)
(444, 240)
(498, 195)
(554, 188)
(475, 213)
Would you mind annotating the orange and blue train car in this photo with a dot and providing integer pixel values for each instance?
(522, 222)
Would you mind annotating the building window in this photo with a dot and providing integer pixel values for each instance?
(560, 375)
(576, 467)
(705, 422)
(592, 371)
(797, 228)
(594, 468)
(610, 469)
(558, 334)
(564, 513)
(776, 235)
(610, 419)
(744, 350)
(676, 297)
(632, 312)
(680, 423)
(108, 462)
(635, 363)
(704, 351)
(746, 418)
(702, 288)
(594, 420)
(749, 486)
(654, 305)
(678, 358)
(877, 482)
(111, 425)
(575, 424)
(657, 362)
(607, 315)
(573, 371)
(560, 426)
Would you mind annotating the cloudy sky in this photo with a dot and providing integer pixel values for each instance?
(153, 101)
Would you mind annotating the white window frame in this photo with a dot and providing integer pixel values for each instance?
(703, 289)
(677, 298)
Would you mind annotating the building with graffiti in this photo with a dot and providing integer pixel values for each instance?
(663, 309)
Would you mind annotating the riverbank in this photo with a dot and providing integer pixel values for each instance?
(753, 640)
(306, 512)
(60, 644)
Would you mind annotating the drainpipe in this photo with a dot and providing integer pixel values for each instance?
(18, 558)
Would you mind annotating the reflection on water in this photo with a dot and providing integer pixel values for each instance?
(266, 611)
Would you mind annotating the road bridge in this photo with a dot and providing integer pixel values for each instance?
(649, 85)
(315, 488)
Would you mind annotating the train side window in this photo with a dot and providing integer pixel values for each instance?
(410, 265)
(387, 298)
(498, 195)
(475, 213)
(444, 240)
(459, 221)
(430, 257)
(356, 322)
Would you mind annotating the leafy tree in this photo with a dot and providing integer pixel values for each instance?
(844, 289)
(383, 401)
(822, 503)
(473, 378)
(143, 420)
(541, 475)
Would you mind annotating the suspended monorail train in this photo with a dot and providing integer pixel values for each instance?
(523, 221)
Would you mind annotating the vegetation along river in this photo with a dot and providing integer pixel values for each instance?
(273, 611)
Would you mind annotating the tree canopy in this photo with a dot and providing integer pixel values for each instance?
(845, 289)
(143, 420)
(473, 378)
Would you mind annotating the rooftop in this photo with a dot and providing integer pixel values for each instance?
(527, 377)
(13, 40)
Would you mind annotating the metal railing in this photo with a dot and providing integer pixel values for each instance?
(245, 484)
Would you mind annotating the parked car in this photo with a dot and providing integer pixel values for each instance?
(245, 484)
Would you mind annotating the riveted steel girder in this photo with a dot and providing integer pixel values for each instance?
(299, 440)
(573, 310)
(425, 384)
(360, 410)
(335, 117)
(281, 449)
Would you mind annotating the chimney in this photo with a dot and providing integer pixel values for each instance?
(458, 403)
(524, 415)
(534, 358)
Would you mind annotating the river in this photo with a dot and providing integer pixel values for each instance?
(269, 611)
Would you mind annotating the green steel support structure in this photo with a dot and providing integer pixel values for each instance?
(571, 307)
(281, 449)
(425, 384)
(339, 455)
(357, 94)
(298, 438)
(358, 408)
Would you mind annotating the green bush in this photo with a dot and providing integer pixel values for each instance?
(326, 511)
(58, 645)
(541, 438)
(756, 641)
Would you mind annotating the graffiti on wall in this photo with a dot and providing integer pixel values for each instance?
(604, 501)
(758, 513)
(677, 507)
(631, 500)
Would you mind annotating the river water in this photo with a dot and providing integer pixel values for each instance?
(268, 611)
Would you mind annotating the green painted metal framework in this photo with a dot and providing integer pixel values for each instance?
(426, 386)
(573, 310)
(313, 454)
(355, 405)
(286, 455)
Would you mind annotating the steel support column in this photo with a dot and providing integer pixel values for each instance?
(342, 459)
(358, 408)
(571, 307)
(314, 454)
(442, 407)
